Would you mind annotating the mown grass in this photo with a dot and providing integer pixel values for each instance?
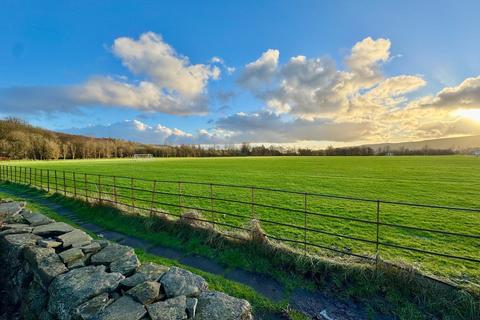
(382, 290)
(442, 180)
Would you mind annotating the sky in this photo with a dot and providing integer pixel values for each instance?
(303, 73)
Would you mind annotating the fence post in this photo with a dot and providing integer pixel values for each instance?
(64, 185)
(378, 229)
(74, 185)
(115, 189)
(30, 174)
(41, 179)
(305, 224)
(48, 180)
(132, 195)
(211, 206)
(86, 186)
(99, 189)
(179, 197)
(56, 182)
(15, 177)
(253, 202)
(153, 197)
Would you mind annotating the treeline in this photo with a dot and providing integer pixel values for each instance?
(20, 140)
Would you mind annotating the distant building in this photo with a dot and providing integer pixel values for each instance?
(476, 153)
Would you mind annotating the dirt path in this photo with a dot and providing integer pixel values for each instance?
(316, 304)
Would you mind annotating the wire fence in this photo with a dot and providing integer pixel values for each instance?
(312, 222)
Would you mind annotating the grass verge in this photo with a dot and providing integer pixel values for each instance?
(382, 290)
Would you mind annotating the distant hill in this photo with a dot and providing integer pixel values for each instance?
(457, 144)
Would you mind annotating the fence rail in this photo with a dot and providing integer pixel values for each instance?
(309, 221)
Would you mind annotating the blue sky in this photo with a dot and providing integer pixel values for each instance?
(374, 71)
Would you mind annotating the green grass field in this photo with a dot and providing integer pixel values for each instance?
(443, 180)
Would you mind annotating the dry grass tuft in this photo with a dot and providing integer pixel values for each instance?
(257, 235)
(193, 218)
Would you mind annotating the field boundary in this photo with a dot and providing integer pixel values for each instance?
(128, 192)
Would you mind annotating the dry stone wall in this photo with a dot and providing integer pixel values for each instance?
(49, 270)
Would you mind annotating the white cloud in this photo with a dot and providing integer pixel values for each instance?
(465, 95)
(270, 127)
(151, 56)
(170, 84)
(312, 88)
(366, 56)
(261, 71)
(134, 130)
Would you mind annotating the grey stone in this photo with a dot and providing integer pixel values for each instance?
(45, 263)
(191, 307)
(145, 272)
(45, 315)
(80, 262)
(12, 246)
(14, 229)
(103, 243)
(125, 265)
(124, 308)
(111, 253)
(219, 306)
(75, 238)
(75, 287)
(11, 208)
(14, 226)
(71, 255)
(34, 299)
(146, 292)
(48, 243)
(15, 218)
(37, 219)
(55, 228)
(91, 247)
(171, 309)
(90, 309)
(177, 282)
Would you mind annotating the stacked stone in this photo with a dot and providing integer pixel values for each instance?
(52, 271)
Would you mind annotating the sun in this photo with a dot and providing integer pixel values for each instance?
(473, 114)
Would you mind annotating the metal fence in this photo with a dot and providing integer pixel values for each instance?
(312, 222)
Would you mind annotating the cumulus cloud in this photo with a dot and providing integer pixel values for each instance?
(134, 130)
(312, 88)
(304, 98)
(366, 56)
(465, 95)
(261, 71)
(169, 83)
(267, 126)
(151, 56)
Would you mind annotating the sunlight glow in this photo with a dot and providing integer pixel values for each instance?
(473, 114)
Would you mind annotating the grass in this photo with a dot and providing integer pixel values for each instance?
(441, 180)
(383, 290)
(216, 282)
(452, 181)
